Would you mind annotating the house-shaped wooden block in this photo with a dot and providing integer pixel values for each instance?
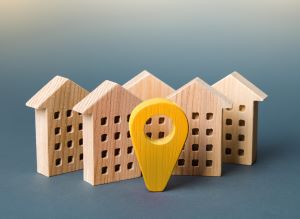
(240, 122)
(203, 106)
(108, 151)
(146, 86)
(58, 128)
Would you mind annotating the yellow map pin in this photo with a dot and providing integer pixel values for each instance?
(157, 158)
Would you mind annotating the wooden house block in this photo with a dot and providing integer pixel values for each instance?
(203, 106)
(240, 121)
(146, 86)
(58, 128)
(108, 150)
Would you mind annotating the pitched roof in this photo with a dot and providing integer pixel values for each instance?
(237, 77)
(151, 85)
(199, 82)
(46, 92)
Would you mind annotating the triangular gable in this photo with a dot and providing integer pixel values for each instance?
(41, 97)
(86, 104)
(202, 84)
(236, 77)
(145, 86)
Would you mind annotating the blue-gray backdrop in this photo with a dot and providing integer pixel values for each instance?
(90, 41)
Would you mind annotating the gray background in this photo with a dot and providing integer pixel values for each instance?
(90, 41)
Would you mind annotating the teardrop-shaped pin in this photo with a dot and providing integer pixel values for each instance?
(157, 158)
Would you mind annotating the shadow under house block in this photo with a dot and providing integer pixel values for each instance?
(58, 128)
(146, 86)
(108, 151)
(240, 121)
(203, 107)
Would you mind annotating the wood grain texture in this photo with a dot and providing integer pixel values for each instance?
(108, 151)
(240, 122)
(157, 157)
(203, 106)
(58, 128)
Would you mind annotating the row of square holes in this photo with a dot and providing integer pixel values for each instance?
(70, 144)
(195, 163)
(70, 160)
(69, 113)
(117, 152)
(208, 147)
(117, 136)
(69, 129)
(228, 151)
(117, 120)
(104, 170)
(209, 116)
(228, 137)
(242, 108)
(241, 122)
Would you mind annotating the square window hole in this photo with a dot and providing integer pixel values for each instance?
(56, 115)
(161, 134)
(228, 136)
(57, 131)
(117, 119)
(58, 162)
(227, 151)
(209, 116)
(69, 128)
(209, 147)
(128, 117)
(81, 157)
(228, 121)
(104, 170)
(130, 150)
(228, 109)
(57, 146)
(241, 152)
(104, 154)
(128, 134)
(69, 113)
(195, 147)
(117, 151)
(130, 165)
(209, 132)
(80, 141)
(103, 137)
(195, 163)
(209, 163)
(180, 162)
(70, 159)
(117, 135)
(80, 126)
(242, 122)
(103, 121)
(149, 134)
(117, 168)
(149, 121)
(161, 120)
(242, 108)
(70, 144)
(195, 115)
(241, 137)
(195, 131)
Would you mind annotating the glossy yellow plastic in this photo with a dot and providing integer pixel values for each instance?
(157, 158)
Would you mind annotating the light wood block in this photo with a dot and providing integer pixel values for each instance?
(240, 122)
(58, 128)
(203, 106)
(108, 150)
(157, 157)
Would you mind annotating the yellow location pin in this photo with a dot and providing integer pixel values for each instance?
(157, 158)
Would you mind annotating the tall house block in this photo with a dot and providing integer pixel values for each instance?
(108, 151)
(240, 121)
(146, 86)
(203, 106)
(58, 129)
